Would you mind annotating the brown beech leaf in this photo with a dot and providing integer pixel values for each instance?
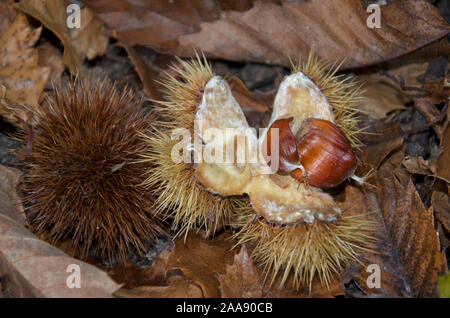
(381, 96)
(201, 259)
(272, 33)
(22, 79)
(241, 278)
(417, 165)
(33, 268)
(410, 73)
(408, 250)
(435, 49)
(146, 72)
(256, 104)
(153, 22)
(154, 281)
(87, 41)
(250, 101)
(383, 139)
(158, 23)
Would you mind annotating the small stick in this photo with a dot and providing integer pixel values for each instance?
(419, 90)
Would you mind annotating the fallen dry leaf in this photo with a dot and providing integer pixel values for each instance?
(414, 82)
(241, 278)
(381, 96)
(22, 79)
(211, 258)
(87, 41)
(410, 73)
(33, 268)
(152, 22)
(383, 138)
(272, 33)
(147, 73)
(208, 269)
(250, 101)
(408, 250)
(160, 23)
(154, 281)
(417, 165)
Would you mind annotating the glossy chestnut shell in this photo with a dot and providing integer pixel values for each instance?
(288, 155)
(322, 149)
(325, 153)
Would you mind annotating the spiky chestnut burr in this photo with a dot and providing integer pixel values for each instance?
(82, 178)
(178, 190)
(306, 250)
(287, 212)
(313, 94)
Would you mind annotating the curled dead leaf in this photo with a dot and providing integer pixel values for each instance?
(211, 258)
(22, 79)
(383, 139)
(241, 278)
(146, 72)
(380, 96)
(86, 41)
(250, 101)
(417, 165)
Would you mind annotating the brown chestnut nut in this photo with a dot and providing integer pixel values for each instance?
(325, 153)
(288, 155)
